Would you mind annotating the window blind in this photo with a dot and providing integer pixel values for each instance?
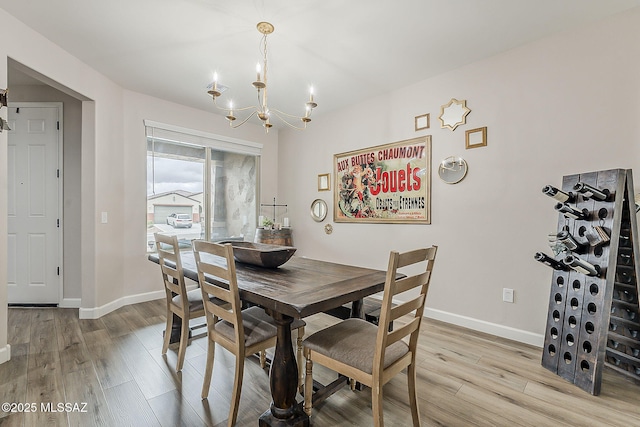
(164, 132)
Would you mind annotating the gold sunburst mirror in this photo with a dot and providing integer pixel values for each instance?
(453, 114)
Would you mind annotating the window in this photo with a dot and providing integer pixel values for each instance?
(200, 186)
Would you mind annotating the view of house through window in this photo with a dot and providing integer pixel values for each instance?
(198, 192)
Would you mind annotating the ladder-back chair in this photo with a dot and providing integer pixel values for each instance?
(176, 293)
(242, 332)
(371, 354)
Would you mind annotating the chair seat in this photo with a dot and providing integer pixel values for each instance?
(258, 326)
(195, 300)
(352, 342)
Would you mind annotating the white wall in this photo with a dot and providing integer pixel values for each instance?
(112, 171)
(102, 147)
(142, 276)
(560, 106)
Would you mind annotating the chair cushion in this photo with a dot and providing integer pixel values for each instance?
(353, 342)
(195, 300)
(258, 326)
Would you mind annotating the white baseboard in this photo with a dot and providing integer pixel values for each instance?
(70, 303)
(5, 354)
(483, 326)
(97, 312)
(455, 319)
(486, 327)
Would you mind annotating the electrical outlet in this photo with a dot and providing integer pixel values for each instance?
(507, 295)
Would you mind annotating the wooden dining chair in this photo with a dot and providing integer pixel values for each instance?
(242, 332)
(176, 294)
(371, 354)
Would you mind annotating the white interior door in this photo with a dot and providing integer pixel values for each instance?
(33, 205)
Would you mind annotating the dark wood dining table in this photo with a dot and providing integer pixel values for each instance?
(300, 288)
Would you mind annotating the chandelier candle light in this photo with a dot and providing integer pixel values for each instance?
(262, 110)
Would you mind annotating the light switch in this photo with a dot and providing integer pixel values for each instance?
(507, 295)
(103, 218)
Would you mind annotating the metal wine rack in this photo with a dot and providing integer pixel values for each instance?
(593, 321)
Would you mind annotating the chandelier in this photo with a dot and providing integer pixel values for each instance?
(262, 110)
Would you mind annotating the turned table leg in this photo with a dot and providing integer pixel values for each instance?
(283, 380)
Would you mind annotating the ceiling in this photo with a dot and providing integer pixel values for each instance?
(347, 50)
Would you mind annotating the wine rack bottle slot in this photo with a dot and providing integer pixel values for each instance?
(624, 257)
(551, 262)
(570, 242)
(581, 266)
(625, 240)
(589, 192)
(572, 213)
(559, 195)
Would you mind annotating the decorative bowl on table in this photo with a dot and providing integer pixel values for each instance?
(260, 254)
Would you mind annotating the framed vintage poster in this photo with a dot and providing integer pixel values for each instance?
(385, 184)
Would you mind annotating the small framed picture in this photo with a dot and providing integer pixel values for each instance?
(323, 182)
(422, 122)
(476, 138)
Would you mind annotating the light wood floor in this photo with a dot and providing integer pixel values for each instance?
(114, 365)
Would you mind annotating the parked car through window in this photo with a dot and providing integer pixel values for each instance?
(180, 220)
